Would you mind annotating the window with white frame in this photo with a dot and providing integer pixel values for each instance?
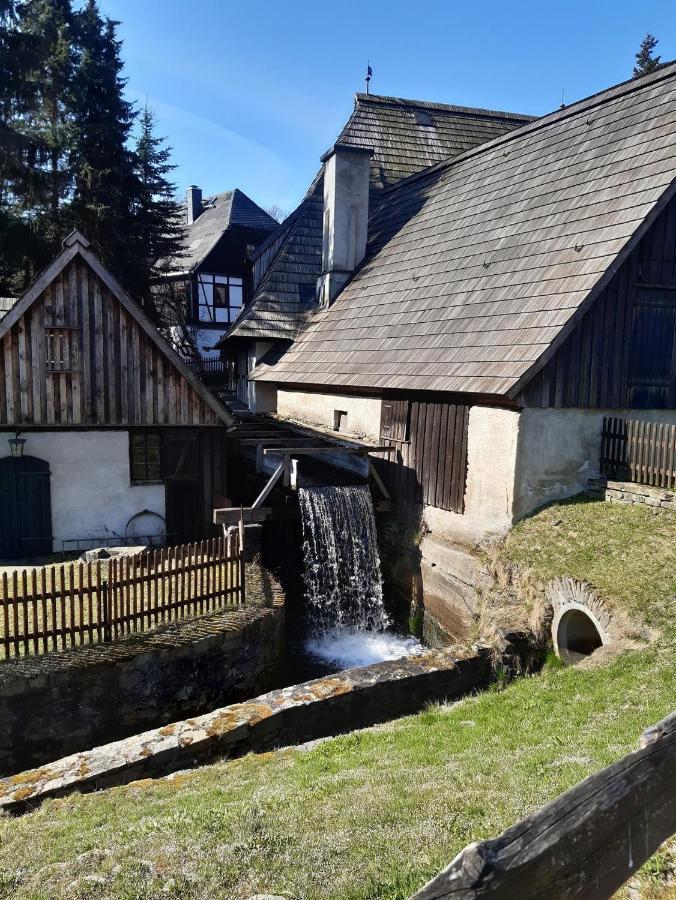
(219, 298)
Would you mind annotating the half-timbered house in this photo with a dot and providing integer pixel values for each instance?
(108, 437)
(206, 278)
(484, 315)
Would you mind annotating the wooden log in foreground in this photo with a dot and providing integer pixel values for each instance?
(586, 843)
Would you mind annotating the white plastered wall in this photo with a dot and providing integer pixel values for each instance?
(492, 442)
(559, 452)
(262, 395)
(91, 492)
(315, 409)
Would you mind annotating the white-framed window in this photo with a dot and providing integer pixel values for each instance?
(219, 298)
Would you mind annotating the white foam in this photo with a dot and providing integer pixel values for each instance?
(349, 648)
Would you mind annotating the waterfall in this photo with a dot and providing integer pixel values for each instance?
(343, 587)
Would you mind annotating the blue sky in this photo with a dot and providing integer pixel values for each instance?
(250, 94)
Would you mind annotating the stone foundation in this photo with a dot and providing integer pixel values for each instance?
(628, 492)
(326, 706)
(60, 703)
(452, 577)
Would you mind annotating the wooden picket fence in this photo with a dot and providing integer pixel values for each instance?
(642, 452)
(73, 604)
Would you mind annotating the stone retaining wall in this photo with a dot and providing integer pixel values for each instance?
(628, 492)
(326, 706)
(56, 704)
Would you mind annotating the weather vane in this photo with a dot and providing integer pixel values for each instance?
(369, 73)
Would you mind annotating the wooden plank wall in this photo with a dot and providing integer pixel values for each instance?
(622, 353)
(112, 374)
(429, 464)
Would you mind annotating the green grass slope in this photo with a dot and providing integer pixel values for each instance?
(376, 813)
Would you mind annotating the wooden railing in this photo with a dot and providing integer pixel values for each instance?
(220, 373)
(68, 605)
(587, 843)
(642, 452)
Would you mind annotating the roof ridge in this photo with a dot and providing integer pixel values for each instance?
(383, 100)
(631, 85)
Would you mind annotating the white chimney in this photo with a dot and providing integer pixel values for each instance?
(346, 214)
(193, 203)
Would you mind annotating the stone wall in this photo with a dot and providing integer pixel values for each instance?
(628, 492)
(60, 703)
(315, 709)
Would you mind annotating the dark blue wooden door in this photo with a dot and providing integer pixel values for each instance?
(25, 507)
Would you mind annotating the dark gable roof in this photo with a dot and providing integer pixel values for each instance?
(219, 213)
(479, 265)
(406, 136)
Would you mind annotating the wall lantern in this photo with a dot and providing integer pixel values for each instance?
(16, 445)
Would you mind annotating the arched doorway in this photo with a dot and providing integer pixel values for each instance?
(25, 505)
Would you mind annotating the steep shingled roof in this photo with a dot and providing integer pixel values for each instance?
(480, 264)
(219, 213)
(406, 136)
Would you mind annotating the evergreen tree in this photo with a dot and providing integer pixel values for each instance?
(157, 230)
(65, 155)
(37, 61)
(646, 62)
(101, 162)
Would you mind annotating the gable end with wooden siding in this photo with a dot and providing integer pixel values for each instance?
(622, 352)
(78, 357)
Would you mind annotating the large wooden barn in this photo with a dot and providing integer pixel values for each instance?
(485, 314)
(107, 436)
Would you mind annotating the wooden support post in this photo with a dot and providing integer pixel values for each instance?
(242, 564)
(274, 478)
(379, 481)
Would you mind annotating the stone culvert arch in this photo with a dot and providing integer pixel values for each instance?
(582, 620)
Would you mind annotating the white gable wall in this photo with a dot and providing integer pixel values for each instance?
(91, 492)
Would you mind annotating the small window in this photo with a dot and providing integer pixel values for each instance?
(422, 117)
(145, 458)
(339, 419)
(219, 298)
(62, 350)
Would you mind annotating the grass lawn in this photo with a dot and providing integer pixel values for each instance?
(627, 552)
(376, 813)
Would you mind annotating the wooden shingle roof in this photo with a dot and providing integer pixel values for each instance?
(478, 266)
(406, 137)
(220, 212)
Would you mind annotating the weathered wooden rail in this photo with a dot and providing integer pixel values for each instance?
(642, 452)
(57, 607)
(587, 843)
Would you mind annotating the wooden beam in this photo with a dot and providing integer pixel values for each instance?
(231, 515)
(289, 451)
(274, 478)
(379, 481)
(587, 843)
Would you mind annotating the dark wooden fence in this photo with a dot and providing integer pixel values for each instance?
(56, 607)
(587, 843)
(643, 452)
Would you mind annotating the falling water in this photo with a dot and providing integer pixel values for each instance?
(343, 586)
